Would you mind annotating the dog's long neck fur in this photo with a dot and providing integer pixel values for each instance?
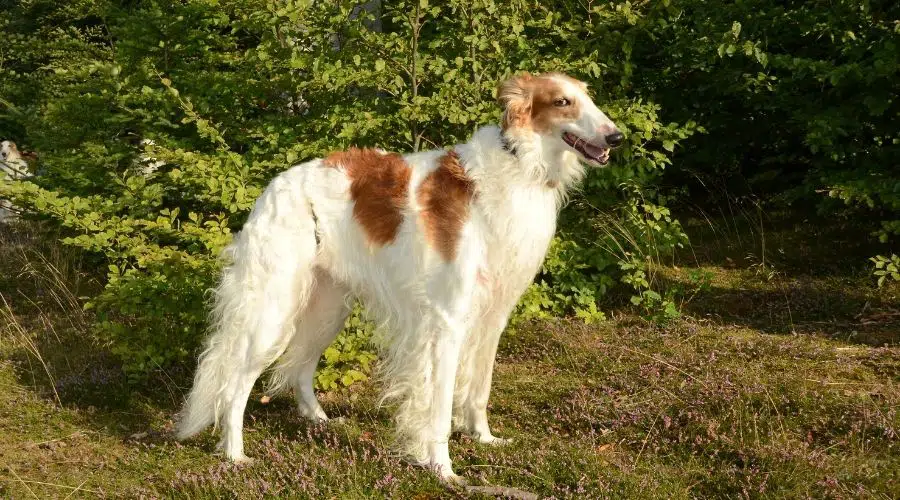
(520, 188)
(520, 158)
(543, 160)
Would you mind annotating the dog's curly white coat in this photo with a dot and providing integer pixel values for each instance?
(285, 292)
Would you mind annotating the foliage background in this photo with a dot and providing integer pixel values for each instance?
(783, 104)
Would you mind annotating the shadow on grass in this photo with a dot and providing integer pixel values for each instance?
(802, 306)
(786, 274)
(796, 244)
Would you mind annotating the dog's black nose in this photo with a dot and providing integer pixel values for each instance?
(615, 140)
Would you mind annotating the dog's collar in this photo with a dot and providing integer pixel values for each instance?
(505, 144)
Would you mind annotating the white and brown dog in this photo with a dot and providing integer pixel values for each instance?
(437, 245)
(12, 167)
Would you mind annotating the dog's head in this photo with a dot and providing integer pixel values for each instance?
(8, 151)
(558, 108)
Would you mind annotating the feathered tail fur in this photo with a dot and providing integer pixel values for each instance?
(268, 279)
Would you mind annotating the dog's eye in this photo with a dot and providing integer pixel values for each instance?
(562, 102)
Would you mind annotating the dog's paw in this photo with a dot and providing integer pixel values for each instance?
(242, 460)
(494, 440)
(314, 420)
(452, 478)
(315, 415)
(444, 472)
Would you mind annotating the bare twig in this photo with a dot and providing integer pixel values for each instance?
(522, 471)
(644, 444)
(76, 433)
(416, 26)
(77, 488)
(63, 486)
(775, 407)
(24, 483)
(503, 491)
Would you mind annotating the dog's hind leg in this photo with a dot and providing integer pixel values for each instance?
(269, 280)
(270, 329)
(315, 329)
(263, 330)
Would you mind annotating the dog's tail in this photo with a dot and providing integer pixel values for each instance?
(268, 279)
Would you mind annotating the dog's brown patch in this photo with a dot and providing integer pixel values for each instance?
(530, 101)
(544, 111)
(379, 184)
(445, 196)
(514, 94)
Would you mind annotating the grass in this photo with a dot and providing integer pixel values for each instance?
(782, 380)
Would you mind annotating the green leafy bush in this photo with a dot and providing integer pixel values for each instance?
(233, 92)
(349, 358)
(886, 268)
(799, 100)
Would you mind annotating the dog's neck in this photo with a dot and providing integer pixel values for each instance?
(515, 198)
(542, 159)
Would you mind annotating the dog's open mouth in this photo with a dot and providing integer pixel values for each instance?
(596, 154)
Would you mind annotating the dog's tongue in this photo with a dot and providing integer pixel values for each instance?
(591, 150)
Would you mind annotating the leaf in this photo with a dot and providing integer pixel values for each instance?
(331, 355)
(761, 56)
(379, 65)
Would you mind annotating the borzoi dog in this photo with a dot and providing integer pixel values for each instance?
(438, 245)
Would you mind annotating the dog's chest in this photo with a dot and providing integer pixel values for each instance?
(520, 223)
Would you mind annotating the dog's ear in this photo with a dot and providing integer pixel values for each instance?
(515, 96)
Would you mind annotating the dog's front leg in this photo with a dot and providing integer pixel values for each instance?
(476, 373)
(446, 346)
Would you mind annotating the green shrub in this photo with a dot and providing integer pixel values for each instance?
(886, 268)
(233, 92)
(798, 99)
